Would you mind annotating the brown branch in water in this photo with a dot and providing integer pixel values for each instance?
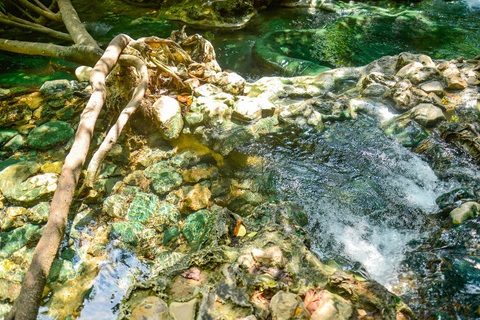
(42, 12)
(117, 128)
(27, 303)
(76, 53)
(74, 26)
(17, 22)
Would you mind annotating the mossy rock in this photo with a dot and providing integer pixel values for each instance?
(49, 134)
(16, 239)
(143, 207)
(197, 227)
(127, 231)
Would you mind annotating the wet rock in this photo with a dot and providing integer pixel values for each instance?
(164, 177)
(33, 100)
(43, 112)
(115, 206)
(128, 232)
(12, 218)
(428, 115)
(417, 76)
(38, 214)
(409, 69)
(33, 190)
(406, 131)
(143, 207)
(332, 307)
(16, 174)
(286, 306)
(14, 114)
(454, 78)
(12, 241)
(151, 308)
(197, 226)
(215, 108)
(230, 82)
(6, 134)
(403, 96)
(15, 143)
(198, 174)
(56, 91)
(466, 211)
(197, 198)
(193, 119)
(65, 113)
(405, 58)
(168, 115)
(164, 217)
(183, 310)
(272, 256)
(49, 134)
(251, 109)
(433, 86)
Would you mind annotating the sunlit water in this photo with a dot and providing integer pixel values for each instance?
(366, 197)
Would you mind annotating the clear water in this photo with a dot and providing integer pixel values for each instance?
(365, 196)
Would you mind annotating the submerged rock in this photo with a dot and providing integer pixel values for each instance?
(49, 134)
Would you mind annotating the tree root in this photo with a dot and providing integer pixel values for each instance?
(117, 128)
(26, 305)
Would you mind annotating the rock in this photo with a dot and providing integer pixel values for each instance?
(403, 96)
(272, 257)
(143, 207)
(39, 213)
(248, 109)
(16, 174)
(12, 218)
(405, 58)
(428, 115)
(56, 91)
(32, 100)
(164, 217)
(168, 115)
(163, 176)
(83, 73)
(49, 134)
(15, 143)
(33, 190)
(215, 109)
(198, 198)
(65, 113)
(183, 310)
(151, 308)
(408, 69)
(6, 134)
(466, 211)
(14, 114)
(332, 307)
(286, 306)
(193, 119)
(230, 82)
(115, 206)
(433, 86)
(198, 174)
(196, 226)
(406, 131)
(453, 78)
(43, 112)
(417, 76)
(129, 232)
(14, 240)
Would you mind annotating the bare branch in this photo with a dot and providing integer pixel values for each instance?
(41, 5)
(27, 303)
(78, 54)
(17, 22)
(38, 10)
(117, 128)
(25, 12)
(74, 26)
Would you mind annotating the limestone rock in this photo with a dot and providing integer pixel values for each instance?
(198, 198)
(151, 308)
(251, 109)
(433, 86)
(16, 174)
(286, 306)
(39, 213)
(408, 69)
(183, 310)
(272, 256)
(14, 114)
(332, 307)
(230, 82)
(49, 134)
(83, 73)
(33, 190)
(168, 114)
(453, 78)
(466, 211)
(428, 115)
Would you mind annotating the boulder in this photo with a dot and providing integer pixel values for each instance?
(286, 306)
(332, 307)
(428, 115)
(466, 211)
(198, 198)
(49, 134)
(33, 190)
(168, 114)
(16, 174)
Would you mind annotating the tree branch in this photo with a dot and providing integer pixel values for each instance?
(27, 303)
(74, 26)
(44, 13)
(76, 53)
(117, 128)
(17, 22)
